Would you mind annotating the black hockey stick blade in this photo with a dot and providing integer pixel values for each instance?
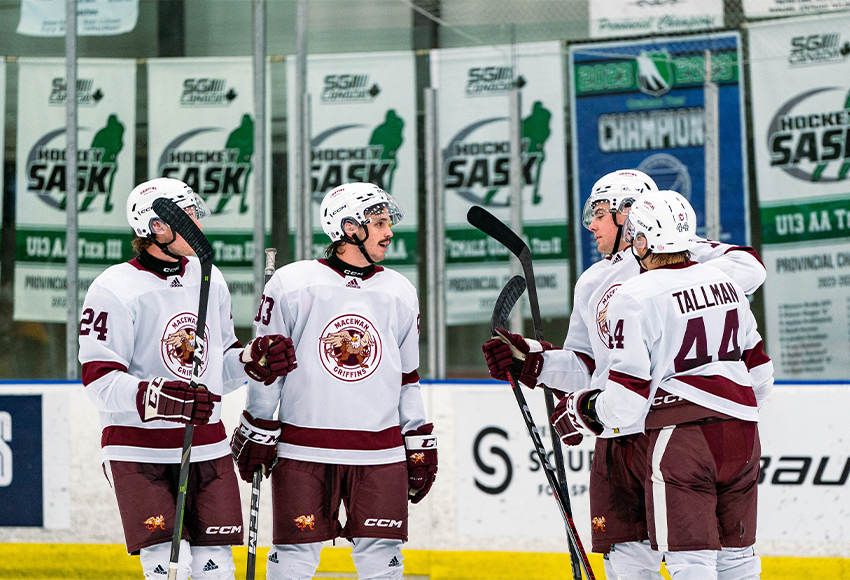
(508, 297)
(181, 223)
(493, 227)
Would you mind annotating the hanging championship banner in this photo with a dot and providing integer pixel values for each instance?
(616, 18)
(801, 120)
(761, 8)
(640, 105)
(106, 101)
(474, 138)
(94, 17)
(201, 131)
(362, 128)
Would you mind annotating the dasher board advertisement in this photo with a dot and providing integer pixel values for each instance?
(362, 129)
(640, 105)
(473, 110)
(106, 110)
(201, 131)
(801, 121)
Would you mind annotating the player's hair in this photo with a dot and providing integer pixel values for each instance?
(674, 258)
(333, 248)
(141, 244)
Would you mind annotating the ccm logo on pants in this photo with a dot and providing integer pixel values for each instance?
(382, 523)
(224, 529)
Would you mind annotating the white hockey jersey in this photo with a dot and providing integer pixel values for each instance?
(356, 388)
(687, 330)
(588, 344)
(137, 325)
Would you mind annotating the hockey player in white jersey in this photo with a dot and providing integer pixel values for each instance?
(688, 363)
(617, 472)
(136, 349)
(349, 423)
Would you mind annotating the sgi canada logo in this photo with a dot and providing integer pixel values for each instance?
(349, 88)
(482, 81)
(206, 92)
(809, 136)
(818, 49)
(87, 94)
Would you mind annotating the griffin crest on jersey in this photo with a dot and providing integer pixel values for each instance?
(602, 316)
(350, 348)
(178, 345)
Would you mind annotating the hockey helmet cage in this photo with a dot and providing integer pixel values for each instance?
(619, 189)
(355, 203)
(140, 212)
(665, 219)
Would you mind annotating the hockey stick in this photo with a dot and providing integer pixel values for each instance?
(253, 522)
(501, 311)
(182, 224)
(490, 225)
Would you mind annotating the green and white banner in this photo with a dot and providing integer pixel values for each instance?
(106, 99)
(473, 110)
(201, 131)
(761, 8)
(801, 121)
(617, 18)
(94, 17)
(362, 128)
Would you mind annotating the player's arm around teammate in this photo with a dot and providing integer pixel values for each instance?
(687, 351)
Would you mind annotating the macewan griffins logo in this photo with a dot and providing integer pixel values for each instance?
(177, 345)
(350, 348)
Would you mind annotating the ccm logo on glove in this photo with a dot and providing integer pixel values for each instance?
(176, 401)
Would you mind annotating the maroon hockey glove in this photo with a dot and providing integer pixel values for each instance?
(573, 418)
(175, 401)
(269, 357)
(421, 449)
(508, 351)
(254, 445)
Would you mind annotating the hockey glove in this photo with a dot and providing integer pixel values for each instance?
(421, 449)
(254, 445)
(508, 351)
(269, 357)
(175, 401)
(574, 416)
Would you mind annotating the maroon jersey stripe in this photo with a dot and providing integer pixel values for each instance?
(96, 369)
(755, 356)
(587, 360)
(161, 438)
(721, 387)
(408, 378)
(639, 386)
(746, 249)
(342, 438)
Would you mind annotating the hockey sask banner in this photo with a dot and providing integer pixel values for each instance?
(201, 131)
(94, 17)
(362, 128)
(474, 140)
(801, 120)
(616, 18)
(106, 100)
(640, 105)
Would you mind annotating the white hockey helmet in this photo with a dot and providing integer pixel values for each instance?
(619, 189)
(355, 203)
(140, 213)
(665, 219)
